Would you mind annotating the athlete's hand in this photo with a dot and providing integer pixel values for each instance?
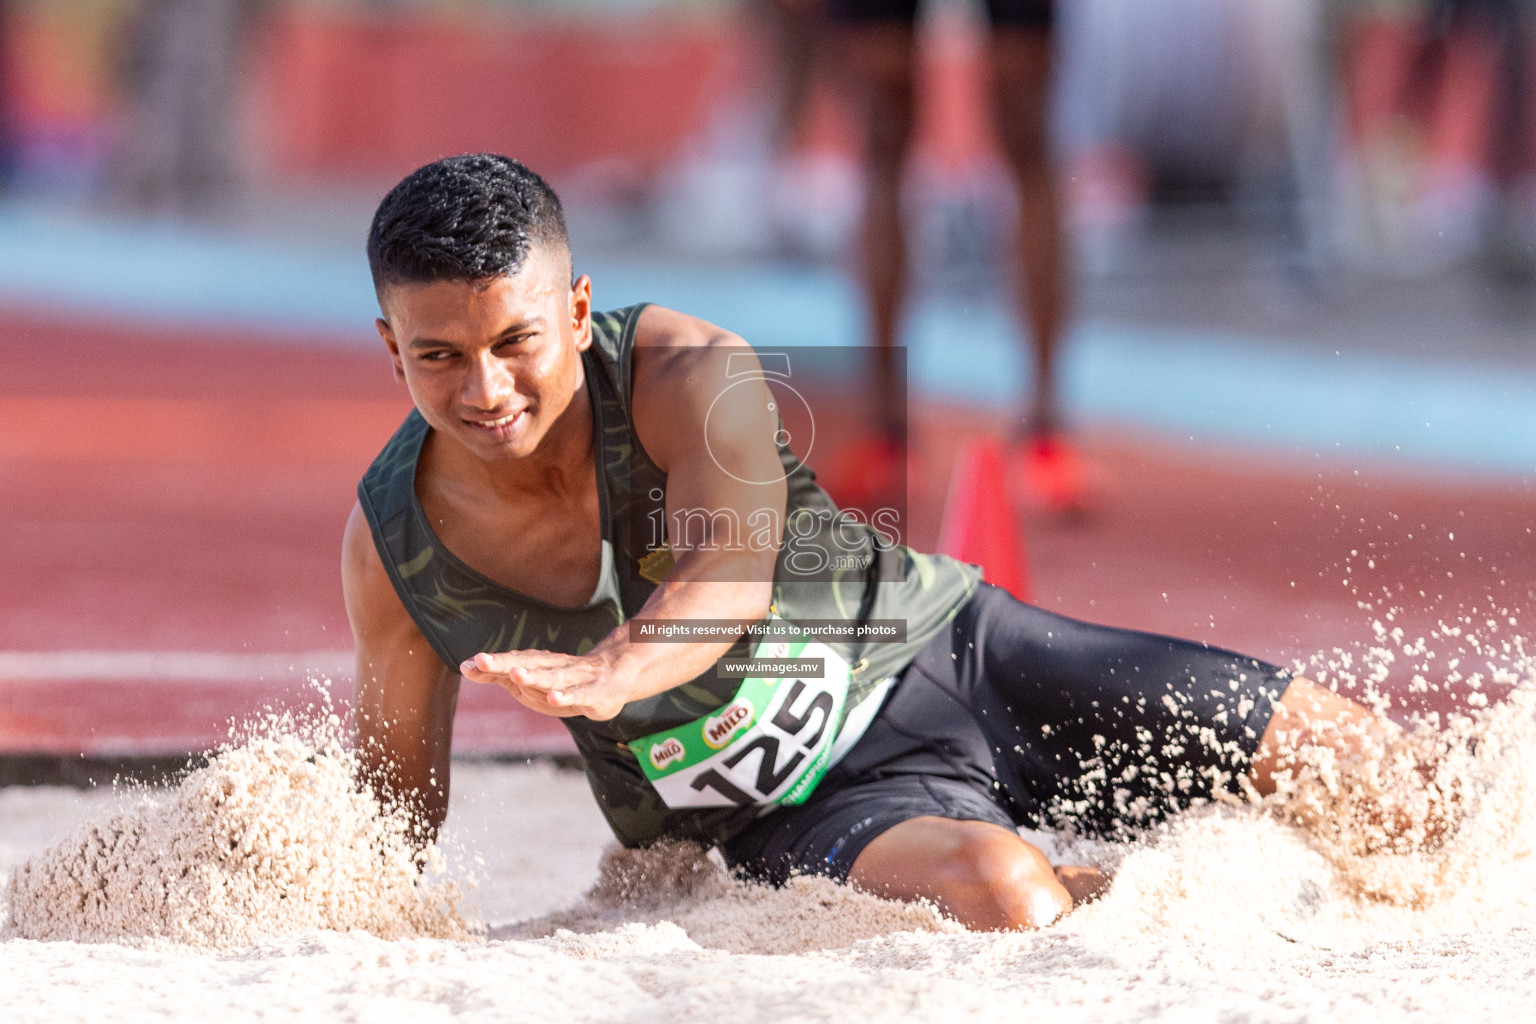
(563, 685)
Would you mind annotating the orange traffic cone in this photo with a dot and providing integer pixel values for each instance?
(979, 521)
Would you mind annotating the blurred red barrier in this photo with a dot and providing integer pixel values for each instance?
(343, 92)
(351, 93)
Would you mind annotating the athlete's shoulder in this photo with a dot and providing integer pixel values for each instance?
(681, 365)
(660, 327)
(674, 351)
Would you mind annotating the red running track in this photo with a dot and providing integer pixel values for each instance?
(172, 507)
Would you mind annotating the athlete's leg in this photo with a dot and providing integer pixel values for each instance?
(1021, 66)
(1309, 715)
(1102, 729)
(1385, 796)
(1020, 716)
(877, 62)
(983, 875)
(1051, 473)
(1155, 718)
(1105, 729)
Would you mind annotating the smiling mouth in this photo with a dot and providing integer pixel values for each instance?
(502, 421)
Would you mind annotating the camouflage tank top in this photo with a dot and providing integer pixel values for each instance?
(462, 612)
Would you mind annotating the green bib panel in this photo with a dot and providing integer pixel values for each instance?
(461, 612)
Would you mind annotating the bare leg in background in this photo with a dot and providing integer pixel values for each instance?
(1021, 66)
(878, 63)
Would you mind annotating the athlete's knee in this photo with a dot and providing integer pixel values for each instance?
(1025, 141)
(1021, 63)
(983, 875)
(1023, 129)
(996, 881)
(888, 133)
(880, 64)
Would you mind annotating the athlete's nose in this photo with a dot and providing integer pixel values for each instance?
(487, 385)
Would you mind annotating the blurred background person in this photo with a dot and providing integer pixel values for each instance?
(789, 39)
(795, 31)
(183, 71)
(876, 43)
(8, 140)
(1498, 27)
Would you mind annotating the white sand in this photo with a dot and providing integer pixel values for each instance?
(1233, 913)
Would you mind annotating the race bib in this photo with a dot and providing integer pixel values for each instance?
(769, 745)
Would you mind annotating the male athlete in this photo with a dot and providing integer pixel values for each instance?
(568, 488)
(876, 41)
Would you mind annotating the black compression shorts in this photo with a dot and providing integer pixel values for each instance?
(1018, 716)
(1029, 14)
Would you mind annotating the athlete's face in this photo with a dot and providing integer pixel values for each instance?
(492, 364)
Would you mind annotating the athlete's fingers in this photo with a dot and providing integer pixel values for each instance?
(530, 697)
(551, 684)
(513, 659)
(534, 700)
(571, 693)
(514, 680)
(570, 707)
(482, 668)
(545, 681)
(587, 699)
(493, 668)
(562, 673)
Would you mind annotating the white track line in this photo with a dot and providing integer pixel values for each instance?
(173, 666)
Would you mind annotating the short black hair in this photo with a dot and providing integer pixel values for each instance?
(463, 218)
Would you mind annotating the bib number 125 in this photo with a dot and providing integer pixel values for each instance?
(769, 745)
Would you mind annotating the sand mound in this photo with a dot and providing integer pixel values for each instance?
(1324, 864)
(652, 899)
(271, 838)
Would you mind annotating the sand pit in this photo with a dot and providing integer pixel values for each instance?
(230, 857)
(1232, 912)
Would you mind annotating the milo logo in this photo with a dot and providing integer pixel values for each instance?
(667, 751)
(734, 717)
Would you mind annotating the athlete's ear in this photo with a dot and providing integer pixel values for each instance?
(581, 312)
(387, 333)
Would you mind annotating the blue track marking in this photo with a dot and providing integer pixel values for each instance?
(151, 270)
(1210, 388)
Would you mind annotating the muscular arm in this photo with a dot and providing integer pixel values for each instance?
(403, 697)
(679, 373)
